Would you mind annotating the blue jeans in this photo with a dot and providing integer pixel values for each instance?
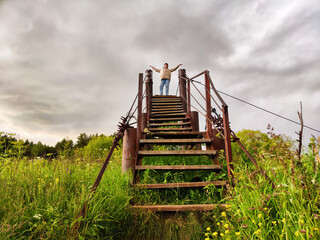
(164, 82)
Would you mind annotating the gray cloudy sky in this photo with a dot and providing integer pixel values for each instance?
(68, 67)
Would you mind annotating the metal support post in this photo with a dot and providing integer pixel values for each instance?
(227, 141)
(208, 106)
(182, 88)
(129, 149)
(149, 93)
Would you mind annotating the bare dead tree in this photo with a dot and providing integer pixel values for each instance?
(300, 134)
(316, 152)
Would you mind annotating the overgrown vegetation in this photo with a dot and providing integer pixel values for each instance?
(42, 192)
(290, 211)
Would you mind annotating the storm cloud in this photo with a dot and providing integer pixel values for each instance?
(68, 67)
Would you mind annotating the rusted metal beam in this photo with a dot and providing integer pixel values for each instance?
(182, 88)
(144, 122)
(149, 92)
(179, 208)
(189, 97)
(227, 141)
(208, 107)
(129, 149)
(215, 90)
(198, 75)
(194, 119)
(181, 185)
(180, 167)
(139, 113)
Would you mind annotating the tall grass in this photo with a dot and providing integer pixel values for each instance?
(257, 211)
(40, 199)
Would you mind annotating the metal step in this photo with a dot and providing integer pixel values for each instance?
(179, 208)
(165, 96)
(166, 109)
(174, 141)
(168, 119)
(166, 112)
(158, 115)
(177, 152)
(179, 185)
(177, 134)
(169, 124)
(165, 104)
(170, 129)
(179, 167)
(165, 100)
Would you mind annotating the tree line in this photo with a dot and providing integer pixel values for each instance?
(92, 147)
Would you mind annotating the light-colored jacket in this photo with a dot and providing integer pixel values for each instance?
(165, 73)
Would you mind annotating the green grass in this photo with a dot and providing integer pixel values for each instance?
(290, 211)
(207, 195)
(40, 199)
(177, 160)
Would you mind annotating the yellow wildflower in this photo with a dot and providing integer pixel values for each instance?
(257, 232)
(218, 224)
(215, 234)
(226, 232)
(221, 234)
(284, 220)
(265, 209)
(57, 180)
(237, 233)
(208, 229)
(207, 239)
(301, 221)
(260, 224)
(253, 221)
(296, 233)
(274, 222)
(223, 214)
(226, 225)
(259, 215)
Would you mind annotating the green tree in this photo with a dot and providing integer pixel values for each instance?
(64, 148)
(262, 145)
(82, 140)
(98, 147)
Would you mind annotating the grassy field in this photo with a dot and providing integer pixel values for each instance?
(39, 199)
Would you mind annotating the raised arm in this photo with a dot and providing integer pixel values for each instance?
(156, 69)
(173, 69)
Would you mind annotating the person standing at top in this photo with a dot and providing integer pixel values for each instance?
(165, 75)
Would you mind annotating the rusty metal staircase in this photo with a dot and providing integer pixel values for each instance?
(169, 122)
